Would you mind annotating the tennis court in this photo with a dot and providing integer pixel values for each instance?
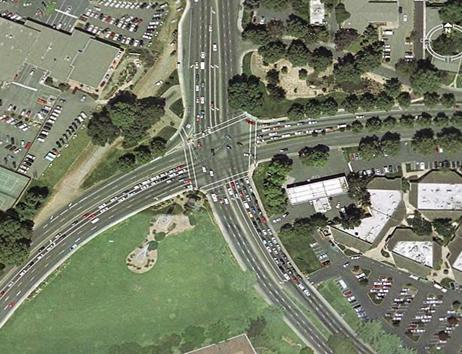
(11, 186)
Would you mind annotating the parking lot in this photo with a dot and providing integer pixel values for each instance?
(59, 14)
(35, 120)
(419, 313)
(135, 24)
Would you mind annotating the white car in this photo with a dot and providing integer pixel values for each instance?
(214, 47)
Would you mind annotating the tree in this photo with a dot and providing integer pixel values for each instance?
(275, 28)
(256, 33)
(390, 143)
(314, 156)
(448, 43)
(420, 225)
(369, 57)
(384, 102)
(306, 350)
(431, 99)
(426, 78)
(31, 201)
(274, 175)
(357, 126)
(367, 101)
(272, 51)
(218, 331)
(407, 121)
(143, 154)
(404, 99)
(193, 337)
(297, 53)
(357, 188)
(256, 327)
(441, 119)
(276, 92)
(320, 59)
(341, 14)
(390, 122)
(451, 12)
(423, 141)
(313, 108)
(424, 119)
(445, 228)
(329, 106)
(296, 26)
(245, 92)
(346, 73)
(374, 124)
(296, 111)
(351, 103)
(302, 74)
(392, 87)
(157, 146)
(369, 147)
(274, 4)
(126, 162)
(351, 216)
(448, 100)
(344, 37)
(134, 116)
(450, 139)
(15, 236)
(101, 130)
(272, 77)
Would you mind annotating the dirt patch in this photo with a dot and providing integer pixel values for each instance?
(290, 81)
(68, 188)
(144, 257)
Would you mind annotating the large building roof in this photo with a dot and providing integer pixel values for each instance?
(77, 56)
(439, 196)
(316, 190)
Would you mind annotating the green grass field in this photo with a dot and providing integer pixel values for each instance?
(105, 169)
(177, 108)
(331, 292)
(96, 305)
(69, 155)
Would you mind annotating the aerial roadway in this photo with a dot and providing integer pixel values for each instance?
(213, 152)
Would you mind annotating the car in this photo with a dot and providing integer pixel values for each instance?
(202, 55)
(158, 83)
(346, 264)
(214, 47)
(211, 173)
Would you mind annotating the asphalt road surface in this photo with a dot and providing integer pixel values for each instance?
(218, 146)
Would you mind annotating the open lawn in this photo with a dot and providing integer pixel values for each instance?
(177, 108)
(196, 290)
(331, 292)
(105, 169)
(69, 155)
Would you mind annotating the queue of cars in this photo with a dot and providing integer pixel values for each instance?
(92, 217)
(241, 192)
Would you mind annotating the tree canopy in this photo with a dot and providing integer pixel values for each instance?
(297, 53)
(272, 51)
(245, 92)
(314, 156)
(425, 78)
(423, 141)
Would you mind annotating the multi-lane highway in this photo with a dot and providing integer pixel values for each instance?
(218, 146)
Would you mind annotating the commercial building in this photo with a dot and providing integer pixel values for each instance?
(317, 12)
(318, 191)
(77, 59)
(362, 13)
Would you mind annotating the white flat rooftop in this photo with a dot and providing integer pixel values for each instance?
(439, 196)
(317, 190)
(418, 251)
(317, 12)
(383, 206)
